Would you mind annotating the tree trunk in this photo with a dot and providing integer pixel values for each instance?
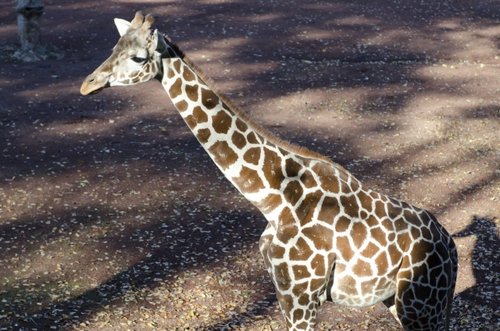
(28, 24)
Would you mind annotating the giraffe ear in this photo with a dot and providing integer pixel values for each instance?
(122, 26)
(161, 44)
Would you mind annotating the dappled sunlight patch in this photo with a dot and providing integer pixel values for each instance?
(113, 218)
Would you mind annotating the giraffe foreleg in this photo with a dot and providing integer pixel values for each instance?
(298, 298)
(299, 313)
(298, 305)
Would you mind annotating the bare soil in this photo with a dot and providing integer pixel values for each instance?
(112, 217)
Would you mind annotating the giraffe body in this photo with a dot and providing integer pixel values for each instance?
(328, 237)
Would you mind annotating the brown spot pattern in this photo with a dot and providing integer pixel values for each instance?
(292, 168)
(177, 66)
(272, 169)
(403, 241)
(283, 151)
(238, 140)
(170, 72)
(320, 235)
(420, 251)
(387, 224)
(393, 212)
(201, 116)
(181, 106)
(209, 99)
(362, 269)
(329, 181)
(248, 181)
(203, 135)
(415, 233)
(371, 221)
(358, 234)
(293, 192)
(242, 126)
(305, 211)
(192, 92)
(329, 209)
(298, 314)
(342, 224)
(269, 203)
(304, 298)
(223, 155)
(379, 209)
(400, 224)
(301, 251)
(348, 285)
(365, 200)
(350, 205)
(380, 235)
(300, 272)
(394, 254)
(276, 252)
(391, 236)
(252, 138)
(191, 121)
(370, 250)
(300, 288)
(316, 284)
(302, 326)
(426, 234)
(382, 263)
(369, 285)
(287, 229)
(308, 180)
(175, 89)
(252, 155)
(318, 265)
(221, 122)
(198, 116)
(282, 276)
(345, 248)
(188, 74)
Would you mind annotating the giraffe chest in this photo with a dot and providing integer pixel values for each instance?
(348, 276)
(357, 284)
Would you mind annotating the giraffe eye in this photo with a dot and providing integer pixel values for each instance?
(138, 59)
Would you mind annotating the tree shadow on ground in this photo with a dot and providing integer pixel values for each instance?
(145, 259)
(485, 261)
(338, 57)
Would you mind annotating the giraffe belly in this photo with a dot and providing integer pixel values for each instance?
(360, 292)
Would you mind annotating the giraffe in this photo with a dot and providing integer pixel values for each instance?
(328, 237)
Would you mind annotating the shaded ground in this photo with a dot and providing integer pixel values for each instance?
(113, 218)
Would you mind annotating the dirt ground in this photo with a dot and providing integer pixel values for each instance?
(112, 217)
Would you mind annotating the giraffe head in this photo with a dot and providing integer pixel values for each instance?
(136, 58)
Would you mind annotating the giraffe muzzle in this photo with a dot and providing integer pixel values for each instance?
(92, 85)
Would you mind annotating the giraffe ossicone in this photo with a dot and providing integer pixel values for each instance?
(328, 238)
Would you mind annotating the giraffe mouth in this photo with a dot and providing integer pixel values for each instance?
(97, 91)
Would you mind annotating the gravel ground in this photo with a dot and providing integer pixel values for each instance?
(112, 217)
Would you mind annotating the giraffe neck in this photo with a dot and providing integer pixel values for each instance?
(255, 161)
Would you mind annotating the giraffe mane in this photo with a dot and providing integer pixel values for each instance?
(270, 136)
